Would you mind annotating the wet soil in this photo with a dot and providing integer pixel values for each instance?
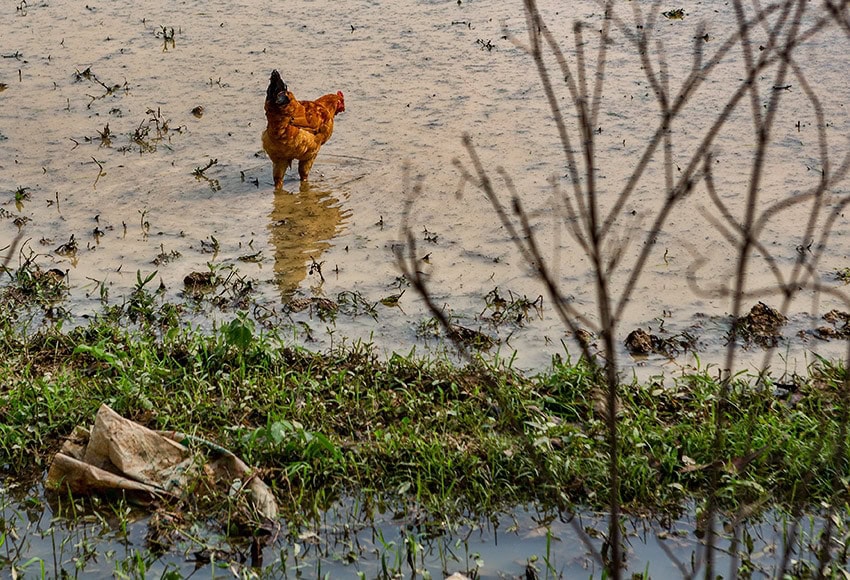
(130, 143)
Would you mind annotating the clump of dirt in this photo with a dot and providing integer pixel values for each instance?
(198, 280)
(762, 326)
(198, 284)
(641, 342)
(840, 328)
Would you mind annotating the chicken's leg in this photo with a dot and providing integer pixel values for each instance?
(304, 167)
(278, 170)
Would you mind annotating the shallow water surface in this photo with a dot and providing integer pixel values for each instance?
(102, 138)
(49, 535)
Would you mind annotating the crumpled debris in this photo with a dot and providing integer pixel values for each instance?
(120, 455)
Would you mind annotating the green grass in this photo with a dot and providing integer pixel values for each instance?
(439, 438)
(454, 437)
(475, 437)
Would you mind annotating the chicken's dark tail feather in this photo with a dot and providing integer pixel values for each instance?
(276, 93)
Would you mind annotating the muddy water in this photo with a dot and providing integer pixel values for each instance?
(47, 536)
(98, 134)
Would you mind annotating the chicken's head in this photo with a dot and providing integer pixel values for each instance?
(277, 91)
(340, 107)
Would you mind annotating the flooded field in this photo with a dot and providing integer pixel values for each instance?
(130, 144)
(130, 151)
(52, 537)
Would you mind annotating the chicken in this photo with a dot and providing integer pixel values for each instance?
(296, 129)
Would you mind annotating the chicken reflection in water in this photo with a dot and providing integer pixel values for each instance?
(302, 227)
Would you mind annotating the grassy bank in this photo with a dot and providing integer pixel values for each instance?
(474, 437)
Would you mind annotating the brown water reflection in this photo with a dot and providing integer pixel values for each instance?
(301, 227)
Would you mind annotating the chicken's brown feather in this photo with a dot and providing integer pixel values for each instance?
(296, 129)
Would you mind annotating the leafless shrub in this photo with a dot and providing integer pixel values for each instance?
(764, 43)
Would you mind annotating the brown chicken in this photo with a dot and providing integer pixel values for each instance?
(296, 129)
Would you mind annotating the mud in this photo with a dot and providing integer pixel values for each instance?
(132, 132)
(762, 325)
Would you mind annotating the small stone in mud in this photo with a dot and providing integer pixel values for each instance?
(322, 304)
(299, 304)
(325, 304)
(198, 111)
(254, 258)
(826, 333)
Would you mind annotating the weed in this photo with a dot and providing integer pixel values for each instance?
(315, 268)
(21, 195)
(428, 328)
(392, 300)
(165, 257)
(236, 290)
(200, 171)
(166, 33)
(449, 438)
(144, 223)
(843, 274)
(513, 310)
(90, 76)
(676, 14)
(153, 130)
(105, 136)
(352, 303)
(210, 247)
(33, 286)
(100, 172)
